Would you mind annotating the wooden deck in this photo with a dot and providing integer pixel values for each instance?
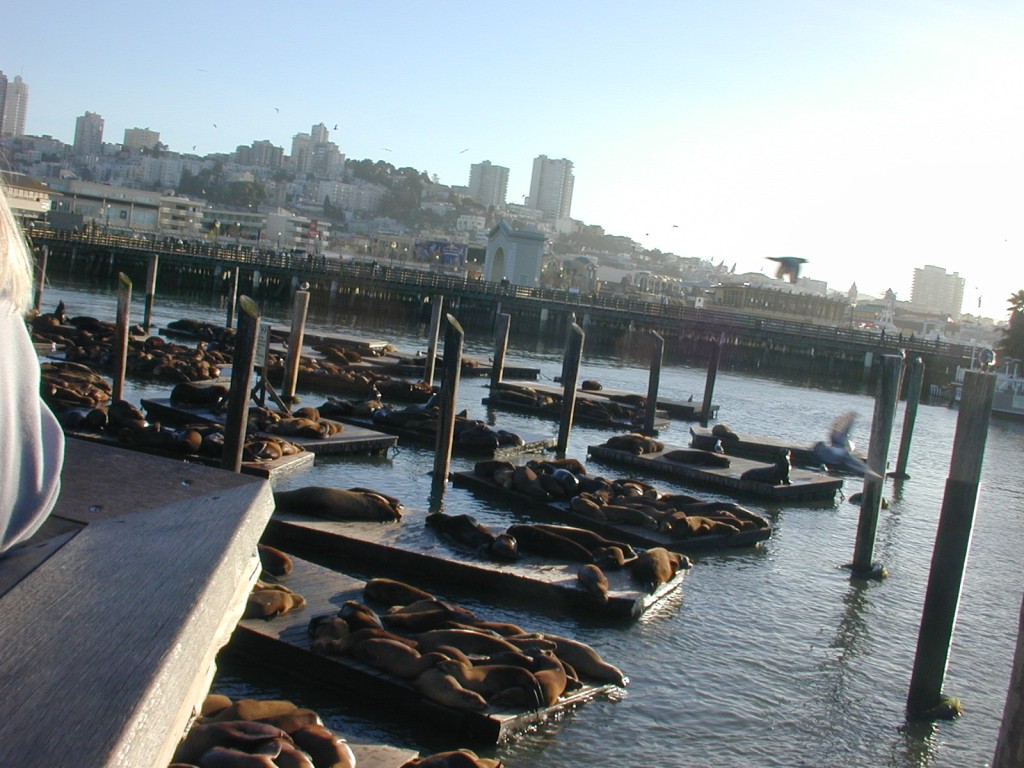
(532, 443)
(559, 511)
(352, 439)
(761, 448)
(117, 608)
(676, 409)
(804, 484)
(284, 642)
(406, 550)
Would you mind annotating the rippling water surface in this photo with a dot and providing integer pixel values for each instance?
(765, 657)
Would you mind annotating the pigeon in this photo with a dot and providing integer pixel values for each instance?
(789, 267)
(838, 452)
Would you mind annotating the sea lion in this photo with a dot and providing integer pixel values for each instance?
(591, 385)
(656, 566)
(239, 734)
(586, 661)
(395, 658)
(359, 616)
(547, 542)
(776, 473)
(500, 684)
(634, 442)
(469, 532)
(724, 433)
(460, 758)
(274, 561)
(592, 580)
(586, 538)
(470, 642)
(253, 709)
(338, 504)
(698, 458)
(269, 600)
(392, 592)
(425, 615)
(445, 689)
(545, 666)
(193, 393)
(228, 757)
(324, 747)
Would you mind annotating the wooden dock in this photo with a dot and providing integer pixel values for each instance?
(118, 606)
(532, 443)
(580, 415)
(687, 410)
(560, 511)
(284, 642)
(352, 439)
(758, 447)
(407, 549)
(803, 485)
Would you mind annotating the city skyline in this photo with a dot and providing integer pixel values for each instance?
(870, 140)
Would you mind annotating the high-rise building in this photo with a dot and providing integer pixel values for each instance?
(936, 290)
(140, 138)
(488, 184)
(3, 99)
(551, 187)
(88, 134)
(15, 108)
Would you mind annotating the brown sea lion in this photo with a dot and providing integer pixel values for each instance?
(359, 616)
(395, 658)
(470, 642)
(586, 661)
(392, 592)
(695, 457)
(326, 749)
(337, 504)
(239, 734)
(228, 757)
(253, 709)
(634, 442)
(548, 543)
(274, 561)
(467, 531)
(592, 580)
(269, 600)
(460, 758)
(499, 684)
(445, 689)
(656, 566)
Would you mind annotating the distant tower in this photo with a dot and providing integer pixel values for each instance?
(937, 290)
(140, 138)
(551, 187)
(15, 107)
(488, 184)
(88, 134)
(319, 134)
(3, 98)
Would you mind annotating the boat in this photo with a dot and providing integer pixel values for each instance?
(1008, 398)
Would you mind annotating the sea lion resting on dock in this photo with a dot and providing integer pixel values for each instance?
(392, 592)
(656, 566)
(468, 531)
(460, 758)
(592, 580)
(268, 600)
(634, 442)
(776, 473)
(338, 504)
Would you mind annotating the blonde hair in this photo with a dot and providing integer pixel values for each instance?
(15, 260)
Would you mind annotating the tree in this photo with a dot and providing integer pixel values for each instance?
(1012, 343)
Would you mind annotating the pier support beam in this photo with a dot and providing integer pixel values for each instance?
(949, 558)
(233, 295)
(878, 451)
(500, 348)
(914, 383)
(436, 307)
(709, 384)
(453, 341)
(151, 271)
(570, 377)
(240, 390)
(651, 407)
(298, 330)
(120, 351)
(44, 255)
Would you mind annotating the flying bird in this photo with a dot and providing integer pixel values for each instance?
(789, 267)
(464, 150)
(335, 126)
(276, 109)
(214, 125)
(837, 453)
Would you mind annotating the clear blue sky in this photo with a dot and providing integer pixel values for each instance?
(869, 137)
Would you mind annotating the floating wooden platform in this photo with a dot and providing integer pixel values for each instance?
(352, 439)
(117, 607)
(532, 443)
(804, 484)
(284, 642)
(630, 534)
(409, 549)
(579, 416)
(757, 447)
(676, 409)
(271, 470)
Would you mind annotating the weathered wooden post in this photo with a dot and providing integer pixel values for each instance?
(651, 407)
(44, 255)
(1010, 746)
(436, 307)
(500, 348)
(570, 377)
(878, 451)
(151, 270)
(121, 333)
(914, 383)
(453, 339)
(300, 306)
(233, 295)
(241, 384)
(709, 384)
(952, 543)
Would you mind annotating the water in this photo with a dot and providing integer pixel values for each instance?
(766, 657)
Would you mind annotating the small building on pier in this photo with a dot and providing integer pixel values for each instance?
(514, 255)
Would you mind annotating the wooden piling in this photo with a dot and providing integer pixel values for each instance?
(1010, 745)
(709, 385)
(952, 543)
(241, 384)
(44, 255)
(570, 377)
(453, 340)
(653, 381)
(291, 369)
(233, 296)
(914, 383)
(500, 348)
(121, 333)
(436, 307)
(151, 270)
(886, 399)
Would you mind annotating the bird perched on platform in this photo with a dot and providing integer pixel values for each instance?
(838, 452)
(789, 267)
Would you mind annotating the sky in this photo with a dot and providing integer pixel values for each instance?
(868, 137)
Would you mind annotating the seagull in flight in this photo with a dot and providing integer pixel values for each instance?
(461, 151)
(789, 267)
(837, 453)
